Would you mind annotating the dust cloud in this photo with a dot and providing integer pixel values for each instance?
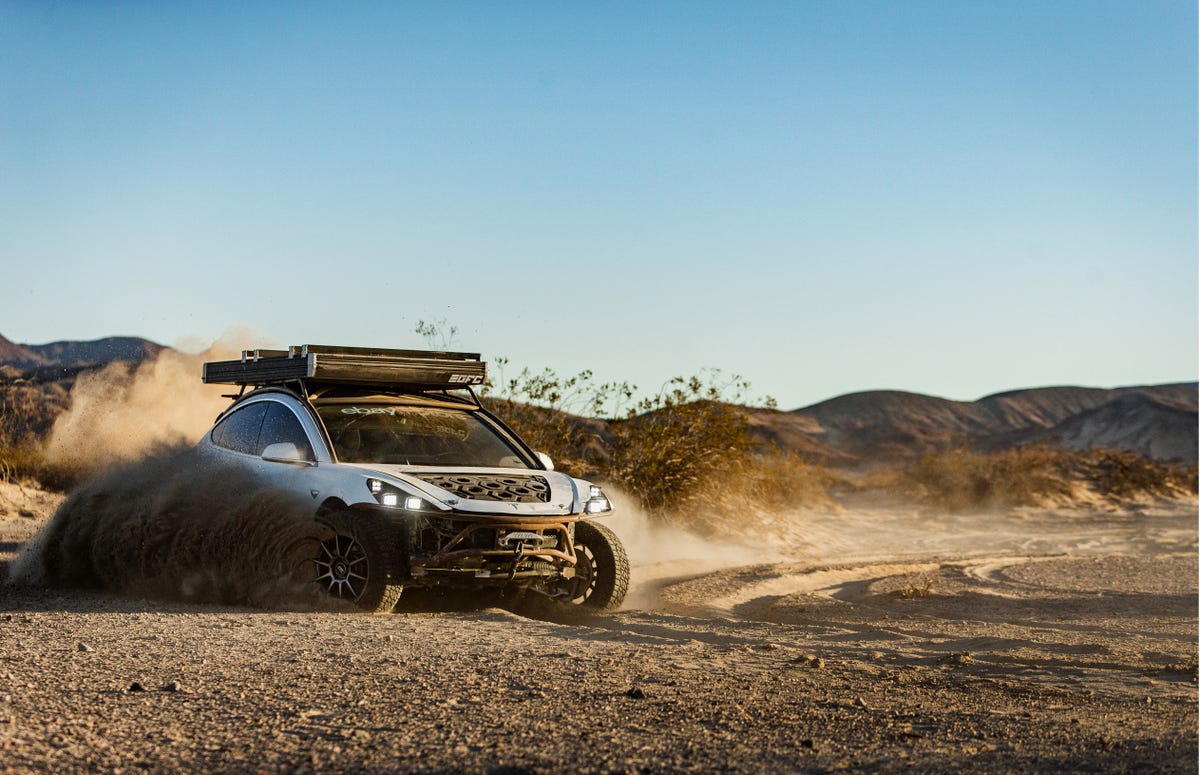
(171, 527)
(124, 411)
(663, 552)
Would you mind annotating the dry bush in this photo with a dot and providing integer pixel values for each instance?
(670, 457)
(684, 453)
(963, 480)
(784, 480)
(559, 416)
(23, 412)
(916, 590)
(26, 461)
(27, 411)
(18, 462)
(1119, 475)
(752, 493)
(576, 444)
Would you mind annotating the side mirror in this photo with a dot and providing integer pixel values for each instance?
(547, 463)
(285, 452)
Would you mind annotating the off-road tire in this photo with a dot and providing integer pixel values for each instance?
(360, 559)
(601, 554)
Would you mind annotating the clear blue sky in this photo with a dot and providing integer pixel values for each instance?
(947, 197)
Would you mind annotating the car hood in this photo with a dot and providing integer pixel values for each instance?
(516, 491)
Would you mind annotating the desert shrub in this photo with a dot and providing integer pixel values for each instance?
(654, 447)
(25, 416)
(18, 462)
(783, 480)
(438, 334)
(561, 416)
(916, 589)
(21, 411)
(1121, 475)
(669, 450)
(684, 452)
(755, 493)
(675, 446)
(961, 479)
(27, 462)
(576, 444)
(28, 410)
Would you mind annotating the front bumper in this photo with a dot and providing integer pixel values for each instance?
(492, 551)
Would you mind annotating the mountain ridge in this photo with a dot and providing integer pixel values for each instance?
(1154, 420)
(861, 427)
(75, 353)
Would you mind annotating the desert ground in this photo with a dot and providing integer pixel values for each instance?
(871, 638)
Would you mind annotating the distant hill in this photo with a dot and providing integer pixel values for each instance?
(12, 354)
(1155, 420)
(1137, 422)
(72, 354)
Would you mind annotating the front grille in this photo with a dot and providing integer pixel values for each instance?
(485, 487)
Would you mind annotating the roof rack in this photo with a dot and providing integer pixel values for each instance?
(428, 369)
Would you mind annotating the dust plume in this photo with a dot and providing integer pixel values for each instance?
(171, 527)
(661, 552)
(123, 411)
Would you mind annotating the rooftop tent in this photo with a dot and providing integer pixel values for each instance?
(350, 366)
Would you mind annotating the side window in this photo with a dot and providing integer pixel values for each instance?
(239, 431)
(281, 425)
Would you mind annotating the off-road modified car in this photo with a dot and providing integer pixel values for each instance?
(413, 482)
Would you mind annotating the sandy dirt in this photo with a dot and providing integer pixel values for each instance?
(875, 639)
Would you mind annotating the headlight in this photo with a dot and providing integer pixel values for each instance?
(597, 502)
(390, 496)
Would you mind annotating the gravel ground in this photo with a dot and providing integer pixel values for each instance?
(943, 659)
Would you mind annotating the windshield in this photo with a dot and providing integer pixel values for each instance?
(415, 435)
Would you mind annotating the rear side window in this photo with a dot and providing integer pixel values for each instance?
(282, 425)
(239, 431)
